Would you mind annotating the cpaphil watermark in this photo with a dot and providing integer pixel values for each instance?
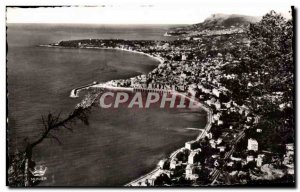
(144, 100)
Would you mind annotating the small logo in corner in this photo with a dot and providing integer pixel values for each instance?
(39, 171)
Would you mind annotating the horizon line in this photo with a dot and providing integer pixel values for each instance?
(104, 23)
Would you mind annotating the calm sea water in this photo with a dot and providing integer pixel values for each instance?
(118, 145)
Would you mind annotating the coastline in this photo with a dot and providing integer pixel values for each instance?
(77, 90)
(155, 57)
(107, 84)
(157, 170)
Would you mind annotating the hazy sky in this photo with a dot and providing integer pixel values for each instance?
(139, 14)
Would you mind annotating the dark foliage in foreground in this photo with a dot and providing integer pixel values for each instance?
(21, 163)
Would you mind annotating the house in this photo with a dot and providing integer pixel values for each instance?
(203, 89)
(258, 130)
(291, 171)
(191, 145)
(194, 156)
(289, 147)
(235, 158)
(181, 88)
(150, 181)
(143, 78)
(190, 172)
(222, 148)
(174, 163)
(191, 90)
(219, 141)
(211, 101)
(212, 143)
(250, 84)
(216, 92)
(208, 135)
(252, 145)
(288, 157)
(154, 177)
(162, 164)
(216, 117)
(233, 109)
(215, 156)
(249, 119)
(250, 158)
(259, 160)
(218, 105)
(228, 104)
(220, 122)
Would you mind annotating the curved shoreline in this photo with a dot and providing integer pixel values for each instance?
(155, 57)
(107, 84)
(74, 92)
(173, 154)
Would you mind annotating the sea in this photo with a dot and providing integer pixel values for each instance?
(118, 145)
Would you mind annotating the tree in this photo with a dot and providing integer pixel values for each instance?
(21, 163)
(268, 65)
(271, 53)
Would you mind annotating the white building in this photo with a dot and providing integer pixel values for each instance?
(289, 147)
(220, 122)
(216, 92)
(259, 160)
(174, 163)
(190, 172)
(219, 141)
(212, 143)
(227, 105)
(258, 130)
(216, 117)
(252, 145)
(162, 164)
(208, 135)
(250, 158)
(291, 171)
(192, 91)
(217, 105)
(191, 145)
(153, 178)
(235, 158)
(222, 148)
(193, 157)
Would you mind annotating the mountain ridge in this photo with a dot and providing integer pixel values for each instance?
(218, 21)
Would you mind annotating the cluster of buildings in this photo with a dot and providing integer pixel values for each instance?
(196, 35)
(195, 68)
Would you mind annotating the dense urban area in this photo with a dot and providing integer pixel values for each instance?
(245, 75)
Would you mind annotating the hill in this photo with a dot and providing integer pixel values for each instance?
(217, 22)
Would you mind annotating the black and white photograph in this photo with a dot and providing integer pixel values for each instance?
(148, 95)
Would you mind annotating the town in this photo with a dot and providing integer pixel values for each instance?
(250, 138)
